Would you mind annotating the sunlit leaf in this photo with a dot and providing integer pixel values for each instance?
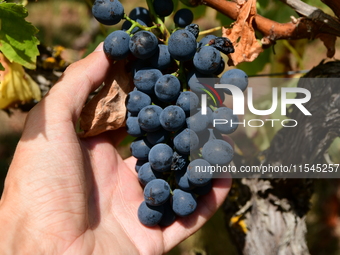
(17, 36)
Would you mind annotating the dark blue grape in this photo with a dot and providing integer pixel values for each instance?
(195, 81)
(182, 180)
(163, 8)
(207, 60)
(169, 216)
(161, 59)
(140, 148)
(150, 215)
(225, 114)
(198, 122)
(167, 88)
(147, 174)
(137, 100)
(108, 12)
(217, 152)
(160, 157)
(148, 118)
(145, 80)
(156, 192)
(235, 77)
(205, 40)
(182, 45)
(140, 13)
(183, 17)
(203, 190)
(133, 128)
(199, 172)
(159, 136)
(172, 118)
(116, 45)
(188, 101)
(183, 203)
(139, 164)
(143, 44)
(186, 141)
(220, 68)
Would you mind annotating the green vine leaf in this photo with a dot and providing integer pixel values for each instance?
(17, 36)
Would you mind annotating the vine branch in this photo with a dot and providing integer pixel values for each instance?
(316, 22)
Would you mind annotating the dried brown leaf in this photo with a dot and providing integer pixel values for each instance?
(329, 42)
(106, 110)
(242, 35)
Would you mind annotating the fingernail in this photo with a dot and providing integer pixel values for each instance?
(99, 47)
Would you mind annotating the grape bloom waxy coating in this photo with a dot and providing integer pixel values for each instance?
(173, 140)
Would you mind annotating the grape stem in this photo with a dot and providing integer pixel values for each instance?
(209, 31)
(136, 24)
(158, 21)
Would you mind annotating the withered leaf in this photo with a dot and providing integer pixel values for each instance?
(106, 110)
(242, 35)
(329, 42)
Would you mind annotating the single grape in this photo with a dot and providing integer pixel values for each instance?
(207, 60)
(140, 13)
(161, 59)
(182, 180)
(203, 190)
(133, 128)
(167, 88)
(235, 77)
(183, 17)
(160, 157)
(199, 173)
(156, 192)
(196, 79)
(186, 141)
(108, 12)
(150, 215)
(218, 152)
(169, 216)
(116, 45)
(225, 114)
(137, 100)
(183, 203)
(182, 45)
(143, 44)
(147, 174)
(163, 8)
(145, 79)
(139, 164)
(148, 118)
(205, 40)
(172, 118)
(140, 148)
(199, 122)
(188, 101)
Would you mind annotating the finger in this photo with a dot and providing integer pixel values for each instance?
(208, 204)
(77, 82)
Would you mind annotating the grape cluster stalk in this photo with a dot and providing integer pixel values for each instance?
(174, 136)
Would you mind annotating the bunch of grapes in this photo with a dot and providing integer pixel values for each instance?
(176, 141)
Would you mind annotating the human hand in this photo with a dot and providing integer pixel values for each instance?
(69, 195)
